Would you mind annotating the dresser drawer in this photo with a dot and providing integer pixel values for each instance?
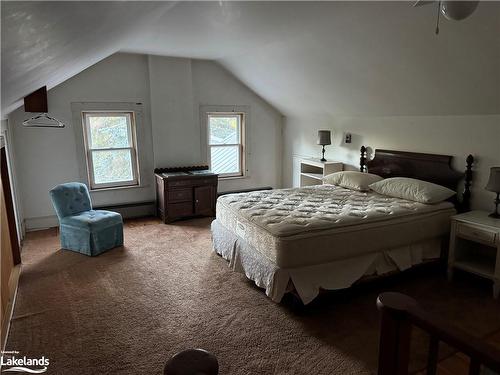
(208, 181)
(178, 183)
(474, 232)
(180, 195)
(175, 210)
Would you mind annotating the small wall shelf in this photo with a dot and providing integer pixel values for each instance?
(313, 170)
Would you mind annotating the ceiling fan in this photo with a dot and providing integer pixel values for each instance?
(453, 10)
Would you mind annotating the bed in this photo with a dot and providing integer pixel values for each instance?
(329, 237)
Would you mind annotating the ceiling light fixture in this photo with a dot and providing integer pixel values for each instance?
(452, 10)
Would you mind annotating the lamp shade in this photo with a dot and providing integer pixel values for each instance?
(324, 137)
(494, 181)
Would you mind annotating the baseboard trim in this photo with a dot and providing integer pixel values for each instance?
(9, 310)
(41, 222)
(132, 210)
(128, 211)
(125, 205)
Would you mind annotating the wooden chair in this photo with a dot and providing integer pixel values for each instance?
(192, 362)
(400, 313)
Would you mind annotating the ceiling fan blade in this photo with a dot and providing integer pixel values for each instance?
(420, 3)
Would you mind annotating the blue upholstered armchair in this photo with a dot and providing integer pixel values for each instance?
(83, 229)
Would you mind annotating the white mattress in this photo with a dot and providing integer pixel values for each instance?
(324, 223)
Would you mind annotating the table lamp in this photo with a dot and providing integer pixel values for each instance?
(494, 185)
(324, 138)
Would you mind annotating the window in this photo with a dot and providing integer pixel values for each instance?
(110, 143)
(225, 143)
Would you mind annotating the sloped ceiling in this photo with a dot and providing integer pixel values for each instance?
(305, 58)
(45, 43)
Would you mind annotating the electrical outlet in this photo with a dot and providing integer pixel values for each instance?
(348, 138)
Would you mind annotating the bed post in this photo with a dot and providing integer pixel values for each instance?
(362, 159)
(468, 182)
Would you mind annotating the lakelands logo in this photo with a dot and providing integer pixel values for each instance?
(10, 363)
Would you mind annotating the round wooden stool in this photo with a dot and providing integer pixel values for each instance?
(192, 362)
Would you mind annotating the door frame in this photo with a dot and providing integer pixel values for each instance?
(9, 206)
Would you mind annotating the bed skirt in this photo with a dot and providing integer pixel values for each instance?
(307, 281)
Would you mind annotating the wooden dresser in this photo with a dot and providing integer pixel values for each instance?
(183, 193)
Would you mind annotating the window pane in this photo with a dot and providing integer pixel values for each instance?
(110, 131)
(224, 130)
(112, 166)
(225, 159)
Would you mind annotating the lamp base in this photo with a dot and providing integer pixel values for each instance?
(323, 151)
(496, 214)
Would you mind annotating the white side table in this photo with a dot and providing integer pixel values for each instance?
(312, 170)
(475, 246)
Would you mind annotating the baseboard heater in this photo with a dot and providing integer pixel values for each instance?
(244, 190)
(131, 210)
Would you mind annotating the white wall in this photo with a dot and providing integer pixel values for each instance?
(450, 135)
(47, 157)
(179, 87)
(171, 91)
(216, 86)
(172, 112)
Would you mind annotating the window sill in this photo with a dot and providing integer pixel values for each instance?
(232, 177)
(118, 188)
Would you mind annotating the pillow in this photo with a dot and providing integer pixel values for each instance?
(412, 190)
(352, 180)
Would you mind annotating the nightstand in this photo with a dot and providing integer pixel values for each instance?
(312, 170)
(475, 246)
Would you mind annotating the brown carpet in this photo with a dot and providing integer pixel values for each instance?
(128, 310)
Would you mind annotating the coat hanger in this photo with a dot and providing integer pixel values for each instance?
(43, 120)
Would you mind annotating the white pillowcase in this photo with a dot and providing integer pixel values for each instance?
(352, 180)
(412, 190)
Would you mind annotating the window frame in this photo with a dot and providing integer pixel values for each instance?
(132, 135)
(241, 144)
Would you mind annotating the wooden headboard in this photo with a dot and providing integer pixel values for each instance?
(427, 167)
